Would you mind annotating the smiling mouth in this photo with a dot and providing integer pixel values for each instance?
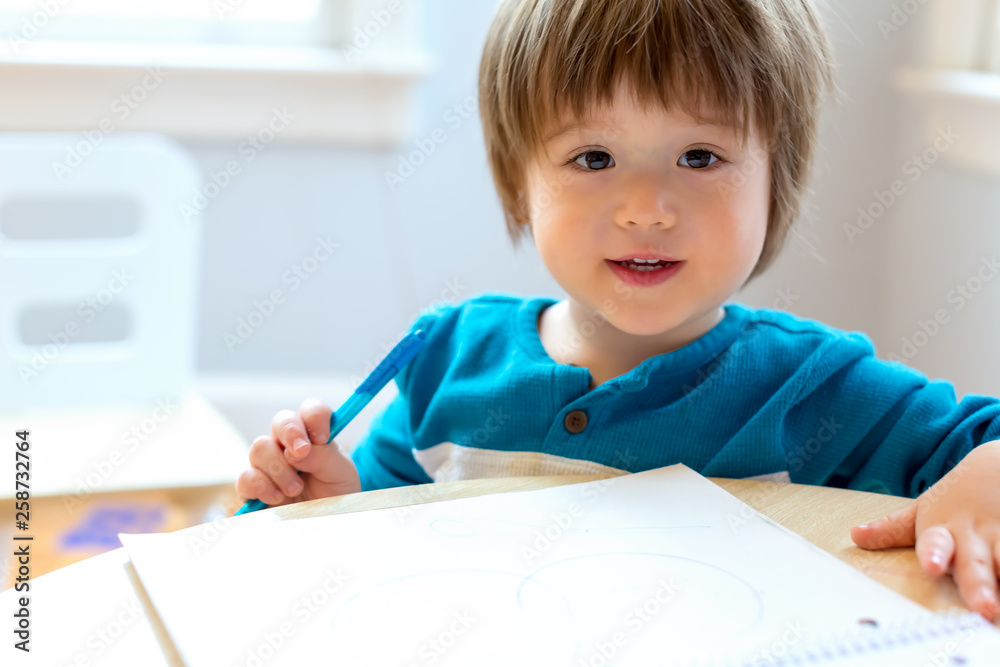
(644, 266)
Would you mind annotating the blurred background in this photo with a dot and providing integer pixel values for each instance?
(211, 210)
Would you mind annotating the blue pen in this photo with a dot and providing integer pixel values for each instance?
(394, 362)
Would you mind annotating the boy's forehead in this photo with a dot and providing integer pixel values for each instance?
(698, 113)
(605, 121)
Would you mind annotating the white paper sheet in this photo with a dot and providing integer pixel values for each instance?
(657, 566)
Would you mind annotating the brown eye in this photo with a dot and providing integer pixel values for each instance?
(594, 160)
(700, 159)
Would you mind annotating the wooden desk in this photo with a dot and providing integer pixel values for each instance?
(97, 590)
(68, 529)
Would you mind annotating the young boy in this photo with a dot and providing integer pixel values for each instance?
(656, 152)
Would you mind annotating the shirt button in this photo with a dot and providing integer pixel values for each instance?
(575, 421)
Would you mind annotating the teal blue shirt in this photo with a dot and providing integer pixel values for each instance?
(763, 394)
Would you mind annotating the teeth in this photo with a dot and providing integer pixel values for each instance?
(644, 265)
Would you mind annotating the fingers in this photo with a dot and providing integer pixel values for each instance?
(315, 414)
(288, 430)
(935, 548)
(975, 573)
(895, 530)
(282, 480)
(323, 461)
(252, 483)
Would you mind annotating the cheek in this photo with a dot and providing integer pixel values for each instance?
(733, 229)
(746, 210)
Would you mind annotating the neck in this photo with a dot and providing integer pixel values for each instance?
(594, 340)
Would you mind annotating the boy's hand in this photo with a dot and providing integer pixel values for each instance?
(298, 443)
(955, 526)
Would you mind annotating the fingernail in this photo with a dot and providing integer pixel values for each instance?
(295, 487)
(864, 525)
(937, 558)
(300, 444)
(988, 597)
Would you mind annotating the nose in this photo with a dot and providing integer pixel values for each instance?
(646, 201)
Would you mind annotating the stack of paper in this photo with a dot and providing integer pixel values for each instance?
(659, 567)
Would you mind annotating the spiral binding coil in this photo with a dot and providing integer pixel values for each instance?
(841, 648)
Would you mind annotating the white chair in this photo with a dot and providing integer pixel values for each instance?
(99, 264)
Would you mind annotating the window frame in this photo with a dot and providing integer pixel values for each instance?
(956, 82)
(994, 46)
(46, 23)
(337, 92)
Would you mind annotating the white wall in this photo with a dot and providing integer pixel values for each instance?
(440, 234)
(830, 278)
(400, 249)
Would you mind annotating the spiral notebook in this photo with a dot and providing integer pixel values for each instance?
(951, 638)
(661, 567)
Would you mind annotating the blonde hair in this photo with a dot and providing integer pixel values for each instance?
(762, 62)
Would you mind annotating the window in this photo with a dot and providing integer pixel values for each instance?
(994, 46)
(298, 22)
(957, 81)
(251, 57)
(985, 55)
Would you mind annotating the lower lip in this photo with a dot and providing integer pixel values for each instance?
(644, 278)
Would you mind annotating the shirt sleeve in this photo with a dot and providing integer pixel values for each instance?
(873, 425)
(384, 456)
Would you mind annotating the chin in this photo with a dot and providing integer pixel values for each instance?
(641, 325)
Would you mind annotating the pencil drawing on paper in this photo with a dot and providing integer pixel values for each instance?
(563, 608)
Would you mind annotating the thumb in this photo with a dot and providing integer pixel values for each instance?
(895, 530)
